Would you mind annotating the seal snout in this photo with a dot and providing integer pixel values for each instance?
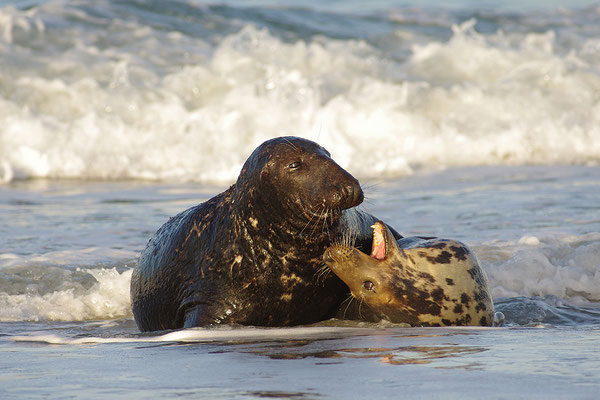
(336, 254)
(351, 194)
(328, 257)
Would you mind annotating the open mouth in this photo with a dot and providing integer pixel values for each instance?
(379, 249)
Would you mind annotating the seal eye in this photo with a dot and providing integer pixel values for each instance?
(368, 285)
(295, 165)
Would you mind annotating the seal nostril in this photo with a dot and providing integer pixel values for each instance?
(349, 189)
(347, 195)
(354, 193)
(327, 257)
(359, 196)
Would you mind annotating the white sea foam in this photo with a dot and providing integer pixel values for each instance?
(73, 285)
(562, 266)
(106, 298)
(138, 109)
(567, 267)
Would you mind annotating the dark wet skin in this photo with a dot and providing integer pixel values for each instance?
(251, 255)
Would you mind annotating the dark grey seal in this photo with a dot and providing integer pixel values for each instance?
(251, 254)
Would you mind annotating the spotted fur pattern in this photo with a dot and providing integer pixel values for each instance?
(422, 282)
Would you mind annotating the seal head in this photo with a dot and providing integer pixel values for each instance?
(296, 180)
(422, 282)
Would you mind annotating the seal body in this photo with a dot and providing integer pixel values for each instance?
(250, 255)
(419, 281)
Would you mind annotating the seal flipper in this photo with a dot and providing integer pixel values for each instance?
(197, 316)
(498, 319)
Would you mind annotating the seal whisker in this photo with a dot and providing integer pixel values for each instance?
(371, 185)
(367, 201)
(331, 214)
(326, 227)
(360, 303)
(314, 218)
(307, 224)
(347, 238)
(289, 144)
(319, 215)
(350, 234)
(344, 240)
(355, 228)
(364, 208)
(324, 219)
(322, 274)
(349, 299)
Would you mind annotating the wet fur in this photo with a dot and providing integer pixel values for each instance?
(252, 255)
(422, 282)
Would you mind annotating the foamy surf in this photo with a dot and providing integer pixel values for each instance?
(50, 288)
(104, 97)
(564, 266)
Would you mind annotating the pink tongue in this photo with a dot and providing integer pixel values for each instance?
(378, 250)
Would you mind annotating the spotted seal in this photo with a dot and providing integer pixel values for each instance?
(250, 255)
(419, 281)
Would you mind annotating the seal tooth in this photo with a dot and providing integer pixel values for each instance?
(378, 251)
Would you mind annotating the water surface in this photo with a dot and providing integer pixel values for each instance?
(464, 120)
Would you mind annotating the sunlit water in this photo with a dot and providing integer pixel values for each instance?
(542, 266)
(473, 123)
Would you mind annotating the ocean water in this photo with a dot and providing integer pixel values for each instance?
(466, 120)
